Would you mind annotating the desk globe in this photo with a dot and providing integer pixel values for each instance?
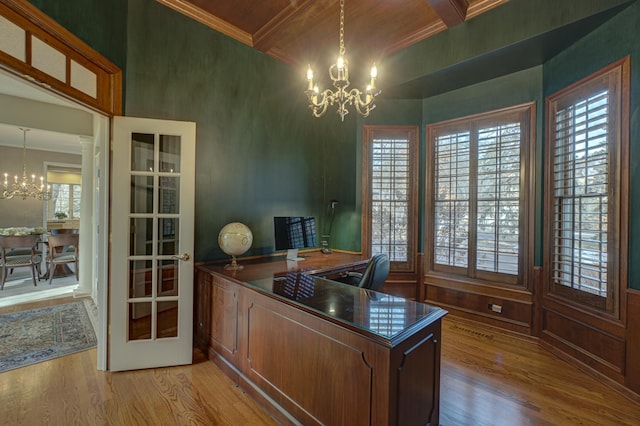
(235, 238)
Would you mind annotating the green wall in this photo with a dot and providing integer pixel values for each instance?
(101, 24)
(260, 153)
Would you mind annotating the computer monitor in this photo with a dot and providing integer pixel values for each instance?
(294, 232)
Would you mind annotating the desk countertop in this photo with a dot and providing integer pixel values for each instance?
(385, 318)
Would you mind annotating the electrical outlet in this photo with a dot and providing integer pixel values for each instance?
(495, 308)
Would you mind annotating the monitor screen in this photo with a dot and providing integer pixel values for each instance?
(294, 232)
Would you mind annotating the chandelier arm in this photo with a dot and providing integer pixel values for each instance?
(24, 189)
(319, 108)
(356, 95)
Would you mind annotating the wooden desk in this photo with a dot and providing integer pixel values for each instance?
(315, 351)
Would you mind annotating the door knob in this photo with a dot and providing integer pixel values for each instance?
(184, 257)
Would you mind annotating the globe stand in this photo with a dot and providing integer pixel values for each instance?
(234, 239)
(233, 266)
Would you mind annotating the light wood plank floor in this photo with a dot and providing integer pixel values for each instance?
(487, 379)
(493, 379)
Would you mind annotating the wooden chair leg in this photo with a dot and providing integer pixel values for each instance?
(33, 275)
(4, 276)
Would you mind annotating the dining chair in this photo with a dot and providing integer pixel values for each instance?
(62, 250)
(18, 251)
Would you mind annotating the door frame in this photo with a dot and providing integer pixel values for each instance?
(106, 104)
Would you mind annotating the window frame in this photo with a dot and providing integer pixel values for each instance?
(616, 78)
(376, 132)
(525, 114)
(69, 211)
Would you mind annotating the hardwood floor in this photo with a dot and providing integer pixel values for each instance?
(487, 379)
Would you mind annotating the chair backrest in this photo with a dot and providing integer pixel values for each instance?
(376, 273)
(19, 241)
(63, 240)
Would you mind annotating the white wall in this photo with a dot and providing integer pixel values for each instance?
(29, 212)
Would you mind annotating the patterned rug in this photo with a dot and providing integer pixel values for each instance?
(37, 335)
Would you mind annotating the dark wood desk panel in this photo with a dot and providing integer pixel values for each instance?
(319, 352)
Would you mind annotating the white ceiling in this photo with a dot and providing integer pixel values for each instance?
(11, 135)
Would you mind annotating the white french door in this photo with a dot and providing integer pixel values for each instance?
(152, 210)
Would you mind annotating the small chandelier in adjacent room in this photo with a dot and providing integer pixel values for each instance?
(25, 188)
(339, 73)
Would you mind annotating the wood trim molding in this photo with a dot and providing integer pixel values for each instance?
(632, 367)
(209, 20)
(35, 23)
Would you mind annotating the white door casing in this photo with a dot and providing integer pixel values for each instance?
(151, 270)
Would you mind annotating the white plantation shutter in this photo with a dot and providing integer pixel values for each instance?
(477, 185)
(587, 186)
(390, 194)
(581, 195)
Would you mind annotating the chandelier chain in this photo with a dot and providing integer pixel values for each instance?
(342, 50)
(24, 153)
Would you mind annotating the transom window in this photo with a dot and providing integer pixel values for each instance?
(584, 210)
(477, 194)
(390, 192)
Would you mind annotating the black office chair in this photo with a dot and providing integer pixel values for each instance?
(374, 275)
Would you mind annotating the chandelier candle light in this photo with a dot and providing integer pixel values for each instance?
(25, 188)
(339, 73)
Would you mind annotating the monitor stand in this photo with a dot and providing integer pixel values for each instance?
(292, 254)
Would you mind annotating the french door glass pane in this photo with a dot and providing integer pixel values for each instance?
(141, 238)
(167, 324)
(155, 206)
(169, 195)
(169, 154)
(140, 278)
(168, 277)
(141, 194)
(140, 321)
(168, 236)
(142, 152)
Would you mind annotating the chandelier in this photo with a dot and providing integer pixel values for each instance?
(339, 73)
(25, 188)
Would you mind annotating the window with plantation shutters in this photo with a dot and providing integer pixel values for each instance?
(583, 206)
(451, 243)
(478, 194)
(390, 194)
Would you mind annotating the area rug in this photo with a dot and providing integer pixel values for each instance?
(37, 335)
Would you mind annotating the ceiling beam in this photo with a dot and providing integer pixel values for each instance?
(452, 12)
